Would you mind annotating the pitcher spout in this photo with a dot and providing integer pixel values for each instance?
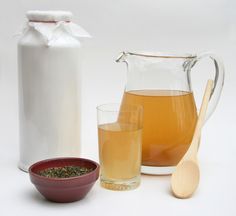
(122, 57)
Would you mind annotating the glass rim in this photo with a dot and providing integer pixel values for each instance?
(117, 105)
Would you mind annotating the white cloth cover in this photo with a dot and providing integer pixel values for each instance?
(50, 24)
(49, 16)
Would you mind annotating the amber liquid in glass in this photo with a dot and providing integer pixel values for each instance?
(119, 150)
(169, 119)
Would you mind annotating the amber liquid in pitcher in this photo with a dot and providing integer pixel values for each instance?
(169, 118)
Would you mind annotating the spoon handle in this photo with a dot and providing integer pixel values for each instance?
(201, 117)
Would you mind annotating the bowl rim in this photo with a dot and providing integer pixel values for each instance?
(32, 173)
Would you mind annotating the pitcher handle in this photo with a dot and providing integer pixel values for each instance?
(218, 80)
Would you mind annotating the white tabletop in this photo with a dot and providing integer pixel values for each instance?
(216, 194)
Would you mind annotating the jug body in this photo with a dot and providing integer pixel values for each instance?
(49, 89)
(161, 84)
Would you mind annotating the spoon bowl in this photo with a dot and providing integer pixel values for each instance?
(187, 177)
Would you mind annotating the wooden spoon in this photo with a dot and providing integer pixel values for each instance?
(185, 179)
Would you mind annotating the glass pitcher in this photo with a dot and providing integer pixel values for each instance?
(162, 85)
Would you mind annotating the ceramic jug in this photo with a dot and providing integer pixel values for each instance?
(49, 58)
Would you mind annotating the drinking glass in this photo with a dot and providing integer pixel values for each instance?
(120, 143)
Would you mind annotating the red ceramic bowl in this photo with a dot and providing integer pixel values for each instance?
(64, 189)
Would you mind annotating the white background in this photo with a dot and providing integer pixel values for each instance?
(153, 25)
